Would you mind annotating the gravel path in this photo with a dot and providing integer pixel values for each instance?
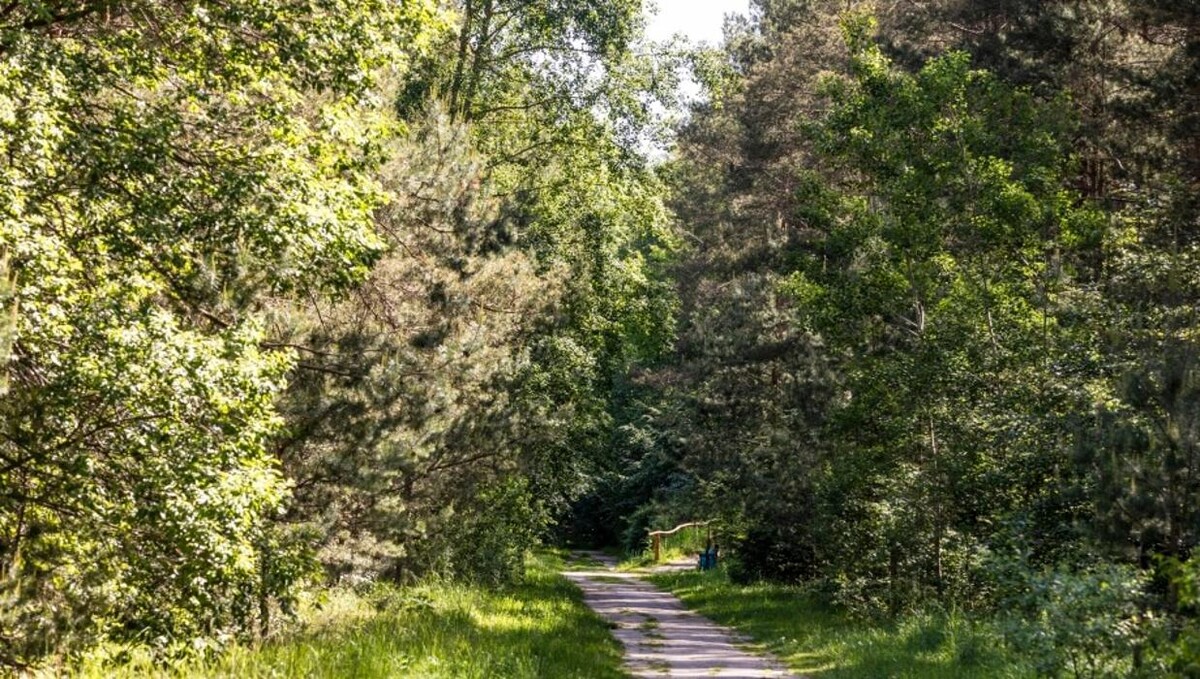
(661, 637)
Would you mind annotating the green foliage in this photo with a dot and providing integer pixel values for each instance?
(1082, 623)
(527, 243)
(937, 298)
(387, 290)
(933, 281)
(1176, 652)
(260, 320)
(401, 416)
(883, 345)
(487, 543)
(167, 167)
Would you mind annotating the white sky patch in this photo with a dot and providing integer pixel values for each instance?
(698, 20)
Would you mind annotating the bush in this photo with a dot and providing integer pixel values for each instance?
(1176, 652)
(780, 551)
(1088, 622)
(484, 540)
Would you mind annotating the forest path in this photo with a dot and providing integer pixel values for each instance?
(662, 638)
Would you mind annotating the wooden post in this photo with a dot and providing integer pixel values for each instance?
(657, 540)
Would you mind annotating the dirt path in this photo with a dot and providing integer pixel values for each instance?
(661, 637)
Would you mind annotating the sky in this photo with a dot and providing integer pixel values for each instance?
(699, 20)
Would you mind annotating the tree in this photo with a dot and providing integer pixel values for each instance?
(166, 168)
(939, 267)
(474, 368)
(874, 342)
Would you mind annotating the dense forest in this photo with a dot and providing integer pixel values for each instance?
(306, 293)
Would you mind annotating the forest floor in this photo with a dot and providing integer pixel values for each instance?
(661, 637)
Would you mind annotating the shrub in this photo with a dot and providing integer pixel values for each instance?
(1086, 622)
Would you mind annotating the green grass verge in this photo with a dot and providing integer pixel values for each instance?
(540, 628)
(823, 643)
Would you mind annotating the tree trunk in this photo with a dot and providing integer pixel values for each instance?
(464, 36)
(264, 596)
(938, 522)
(481, 48)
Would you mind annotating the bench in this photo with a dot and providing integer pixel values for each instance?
(708, 558)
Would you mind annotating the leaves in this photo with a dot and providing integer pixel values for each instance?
(166, 168)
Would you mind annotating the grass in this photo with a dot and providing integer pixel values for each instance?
(537, 629)
(824, 643)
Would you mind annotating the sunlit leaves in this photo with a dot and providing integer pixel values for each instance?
(165, 167)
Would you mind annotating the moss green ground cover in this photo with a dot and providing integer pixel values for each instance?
(823, 643)
(537, 629)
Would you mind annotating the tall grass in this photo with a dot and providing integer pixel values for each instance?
(537, 629)
(824, 643)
